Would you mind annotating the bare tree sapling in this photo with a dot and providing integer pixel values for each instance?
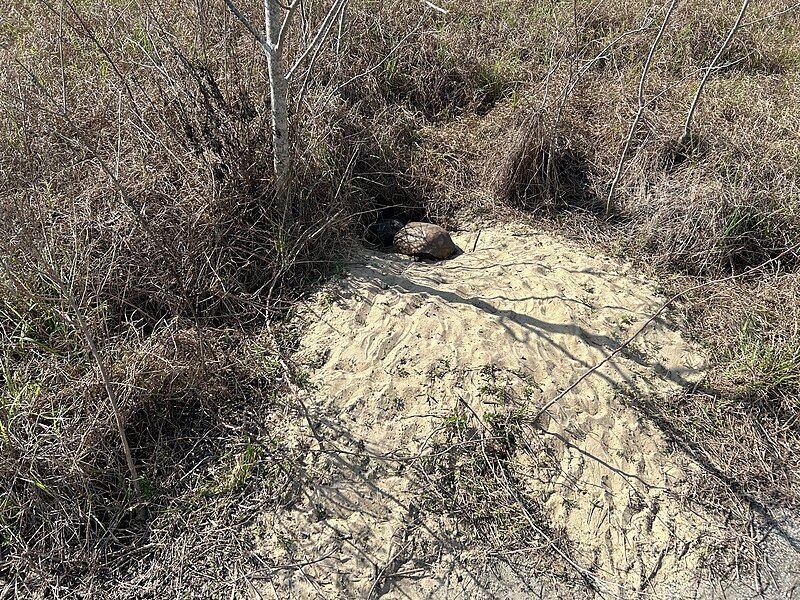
(277, 20)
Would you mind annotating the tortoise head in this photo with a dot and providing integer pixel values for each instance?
(382, 232)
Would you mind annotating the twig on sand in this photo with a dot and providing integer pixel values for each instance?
(653, 317)
(500, 476)
(477, 237)
(286, 374)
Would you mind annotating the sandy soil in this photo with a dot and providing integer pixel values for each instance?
(402, 354)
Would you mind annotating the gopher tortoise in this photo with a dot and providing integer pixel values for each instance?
(424, 239)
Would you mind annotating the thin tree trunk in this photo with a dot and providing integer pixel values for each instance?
(272, 43)
(278, 89)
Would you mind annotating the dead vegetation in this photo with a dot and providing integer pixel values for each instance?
(137, 198)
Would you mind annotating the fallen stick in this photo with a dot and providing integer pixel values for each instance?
(655, 315)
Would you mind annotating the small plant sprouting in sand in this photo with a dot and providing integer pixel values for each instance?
(455, 421)
(531, 386)
(440, 369)
(495, 383)
(508, 387)
(401, 368)
(318, 359)
(397, 403)
(303, 379)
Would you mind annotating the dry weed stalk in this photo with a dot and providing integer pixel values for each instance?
(50, 271)
(687, 126)
(641, 103)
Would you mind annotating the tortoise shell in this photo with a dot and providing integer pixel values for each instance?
(424, 239)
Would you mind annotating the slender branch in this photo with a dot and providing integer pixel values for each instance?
(771, 15)
(436, 7)
(50, 272)
(642, 104)
(499, 470)
(286, 371)
(586, 67)
(286, 22)
(88, 32)
(654, 316)
(313, 60)
(375, 67)
(339, 34)
(61, 56)
(688, 125)
(112, 396)
(319, 38)
(250, 27)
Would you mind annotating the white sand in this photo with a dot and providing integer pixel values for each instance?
(397, 346)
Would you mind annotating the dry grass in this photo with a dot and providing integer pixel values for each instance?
(470, 472)
(135, 174)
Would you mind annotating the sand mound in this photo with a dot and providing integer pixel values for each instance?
(437, 480)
